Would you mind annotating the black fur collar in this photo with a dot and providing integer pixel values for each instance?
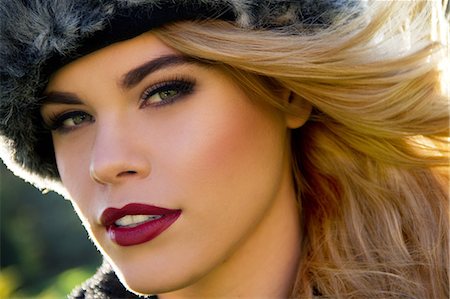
(104, 285)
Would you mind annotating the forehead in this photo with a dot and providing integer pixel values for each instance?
(114, 60)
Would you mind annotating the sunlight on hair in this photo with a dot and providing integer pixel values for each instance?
(441, 33)
(373, 159)
(445, 76)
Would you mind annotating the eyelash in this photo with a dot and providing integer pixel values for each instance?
(184, 86)
(56, 122)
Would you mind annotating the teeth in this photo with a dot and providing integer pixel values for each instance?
(135, 220)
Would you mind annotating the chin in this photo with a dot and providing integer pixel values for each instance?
(144, 281)
(155, 285)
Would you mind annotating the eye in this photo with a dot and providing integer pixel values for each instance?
(69, 121)
(167, 92)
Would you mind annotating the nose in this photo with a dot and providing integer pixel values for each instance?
(117, 156)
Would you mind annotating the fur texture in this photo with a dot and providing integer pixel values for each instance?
(38, 36)
(104, 285)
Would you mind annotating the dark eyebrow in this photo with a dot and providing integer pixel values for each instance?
(133, 77)
(59, 97)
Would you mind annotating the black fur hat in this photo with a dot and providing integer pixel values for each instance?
(39, 36)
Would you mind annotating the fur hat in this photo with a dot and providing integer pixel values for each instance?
(39, 36)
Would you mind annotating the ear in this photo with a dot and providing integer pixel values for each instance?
(299, 111)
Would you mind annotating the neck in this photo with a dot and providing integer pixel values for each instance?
(264, 266)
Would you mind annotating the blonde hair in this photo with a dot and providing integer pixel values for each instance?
(371, 165)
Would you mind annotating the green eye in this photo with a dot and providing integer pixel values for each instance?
(164, 95)
(166, 92)
(75, 120)
(70, 120)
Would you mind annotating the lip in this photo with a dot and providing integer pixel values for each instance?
(144, 232)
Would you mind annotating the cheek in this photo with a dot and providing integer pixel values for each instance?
(220, 143)
(223, 163)
(73, 165)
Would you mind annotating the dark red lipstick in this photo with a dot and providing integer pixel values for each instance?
(126, 228)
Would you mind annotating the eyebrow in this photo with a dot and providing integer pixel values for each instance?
(59, 97)
(133, 77)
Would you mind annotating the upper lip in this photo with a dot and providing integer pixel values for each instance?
(111, 215)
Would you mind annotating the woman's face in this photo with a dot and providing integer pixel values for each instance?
(139, 126)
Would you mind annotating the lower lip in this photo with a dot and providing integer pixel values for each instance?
(142, 233)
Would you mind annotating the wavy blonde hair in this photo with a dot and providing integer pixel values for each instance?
(372, 163)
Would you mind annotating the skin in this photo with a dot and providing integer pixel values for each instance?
(219, 156)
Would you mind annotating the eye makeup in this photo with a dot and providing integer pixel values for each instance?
(66, 121)
(167, 92)
(158, 95)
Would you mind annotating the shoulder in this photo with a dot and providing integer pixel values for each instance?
(103, 285)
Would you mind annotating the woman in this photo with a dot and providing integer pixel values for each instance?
(226, 149)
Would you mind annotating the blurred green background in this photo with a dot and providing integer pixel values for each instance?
(44, 249)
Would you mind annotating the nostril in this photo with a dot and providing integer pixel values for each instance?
(127, 173)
